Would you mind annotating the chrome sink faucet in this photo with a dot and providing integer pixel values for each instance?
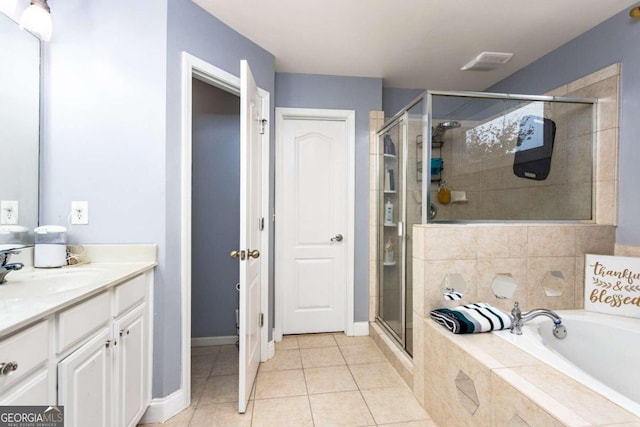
(518, 318)
(6, 268)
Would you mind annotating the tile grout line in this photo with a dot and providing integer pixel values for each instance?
(306, 386)
(358, 386)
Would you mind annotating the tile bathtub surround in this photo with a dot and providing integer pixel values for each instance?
(526, 251)
(509, 384)
(358, 388)
(478, 252)
(627, 250)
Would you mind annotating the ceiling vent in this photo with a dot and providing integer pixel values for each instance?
(487, 61)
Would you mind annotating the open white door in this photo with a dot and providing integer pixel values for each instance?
(250, 233)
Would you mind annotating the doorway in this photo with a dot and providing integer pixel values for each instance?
(253, 181)
(215, 227)
(215, 215)
(315, 204)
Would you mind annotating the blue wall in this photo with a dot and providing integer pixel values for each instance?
(215, 211)
(615, 40)
(395, 99)
(103, 140)
(191, 29)
(347, 93)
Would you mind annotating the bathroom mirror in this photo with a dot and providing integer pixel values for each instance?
(453, 286)
(19, 122)
(554, 283)
(503, 285)
(467, 394)
(516, 421)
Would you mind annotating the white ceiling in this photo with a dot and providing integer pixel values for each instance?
(410, 43)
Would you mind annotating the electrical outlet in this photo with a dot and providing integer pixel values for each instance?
(80, 213)
(9, 212)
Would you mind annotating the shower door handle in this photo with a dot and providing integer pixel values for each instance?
(337, 238)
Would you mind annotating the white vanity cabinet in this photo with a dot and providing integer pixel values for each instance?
(106, 381)
(24, 372)
(84, 383)
(131, 359)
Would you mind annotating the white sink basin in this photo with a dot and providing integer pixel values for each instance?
(40, 283)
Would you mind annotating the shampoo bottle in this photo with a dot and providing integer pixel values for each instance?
(388, 212)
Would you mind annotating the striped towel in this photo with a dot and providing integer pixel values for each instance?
(472, 318)
(452, 296)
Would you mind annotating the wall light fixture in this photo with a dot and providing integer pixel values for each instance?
(37, 19)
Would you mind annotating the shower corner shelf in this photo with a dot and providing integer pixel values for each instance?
(390, 191)
(390, 156)
(389, 224)
(389, 264)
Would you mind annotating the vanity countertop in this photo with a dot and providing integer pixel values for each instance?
(32, 294)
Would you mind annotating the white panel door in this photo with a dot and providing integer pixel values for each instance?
(250, 232)
(313, 224)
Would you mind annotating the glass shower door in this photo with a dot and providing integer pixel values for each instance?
(401, 200)
(391, 242)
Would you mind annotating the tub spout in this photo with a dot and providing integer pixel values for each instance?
(519, 318)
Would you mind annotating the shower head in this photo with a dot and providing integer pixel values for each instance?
(449, 125)
(438, 132)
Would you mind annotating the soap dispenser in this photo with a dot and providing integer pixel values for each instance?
(444, 194)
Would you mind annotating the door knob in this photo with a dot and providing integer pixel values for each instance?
(337, 238)
(254, 253)
(238, 254)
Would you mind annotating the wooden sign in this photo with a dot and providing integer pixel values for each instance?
(612, 285)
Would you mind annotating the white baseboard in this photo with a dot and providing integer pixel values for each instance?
(207, 341)
(360, 329)
(163, 408)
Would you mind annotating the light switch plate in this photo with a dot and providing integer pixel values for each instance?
(9, 212)
(80, 213)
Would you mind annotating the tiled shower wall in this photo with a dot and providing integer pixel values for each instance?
(603, 85)
(494, 192)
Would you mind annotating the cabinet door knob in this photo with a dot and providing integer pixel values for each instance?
(121, 332)
(7, 368)
(107, 344)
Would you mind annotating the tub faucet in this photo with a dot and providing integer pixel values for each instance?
(518, 318)
(6, 268)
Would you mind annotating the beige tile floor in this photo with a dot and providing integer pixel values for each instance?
(313, 380)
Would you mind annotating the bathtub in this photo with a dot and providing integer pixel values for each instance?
(600, 351)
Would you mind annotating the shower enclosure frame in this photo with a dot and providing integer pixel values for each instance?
(402, 117)
(428, 98)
